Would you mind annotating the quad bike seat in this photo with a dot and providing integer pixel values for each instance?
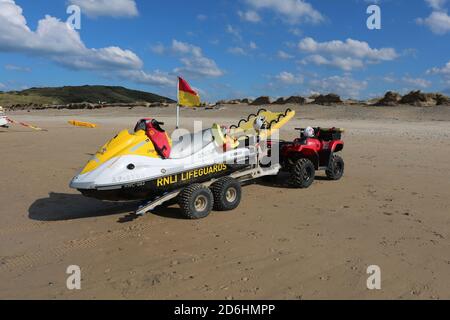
(325, 134)
(190, 144)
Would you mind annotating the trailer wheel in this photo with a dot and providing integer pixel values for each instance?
(303, 173)
(336, 169)
(196, 201)
(227, 194)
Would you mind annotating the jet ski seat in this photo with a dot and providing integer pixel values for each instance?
(157, 135)
(190, 144)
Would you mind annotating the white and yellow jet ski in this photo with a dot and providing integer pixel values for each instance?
(146, 164)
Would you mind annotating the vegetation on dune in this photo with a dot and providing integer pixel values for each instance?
(8, 99)
(91, 94)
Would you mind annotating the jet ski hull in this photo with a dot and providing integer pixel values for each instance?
(153, 188)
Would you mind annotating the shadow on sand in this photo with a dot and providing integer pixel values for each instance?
(61, 206)
(281, 181)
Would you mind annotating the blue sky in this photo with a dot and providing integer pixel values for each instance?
(228, 49)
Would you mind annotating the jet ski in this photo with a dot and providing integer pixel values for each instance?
(147, 164)
(3, 119)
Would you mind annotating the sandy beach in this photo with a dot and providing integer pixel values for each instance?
(391, 209)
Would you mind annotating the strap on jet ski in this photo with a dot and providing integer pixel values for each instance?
(157, 135)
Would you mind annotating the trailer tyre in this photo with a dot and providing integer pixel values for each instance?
(336, 169)
(196, 201)
(303, 173)
(227, 194)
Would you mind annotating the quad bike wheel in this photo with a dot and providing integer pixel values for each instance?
(303, 173)
(196, 201)
(335, 170)
(227, 194)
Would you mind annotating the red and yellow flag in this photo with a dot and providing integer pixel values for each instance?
(187, 97)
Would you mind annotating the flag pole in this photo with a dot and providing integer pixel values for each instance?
(178, 104)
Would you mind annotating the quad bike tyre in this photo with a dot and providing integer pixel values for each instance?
(196, 201)
(335, 170)
(303, 173)
(227, 194)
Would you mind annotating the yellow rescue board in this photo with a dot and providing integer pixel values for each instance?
(273, 121)
(82, 124)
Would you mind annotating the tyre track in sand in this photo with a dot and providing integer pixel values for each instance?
(29, 260)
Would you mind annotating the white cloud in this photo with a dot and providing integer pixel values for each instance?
(56, 41)
(346, 64)
(233, 31)
(12, 67)
(344, 86)
(295, 11)
(185, 48)
(284, 55)
(2, 86)
(240, 51)
(389, 79)
(352, 48)
(237, 51)
(348, 55)
(296, 32)
(202, 17)
(157, 78)
(194, 63)
(445, 70)
(289, 78)
(416, 82)
(436, 4)
(407, 82)
(158, 48)
(111, 8)
(438, 22)
(250, 16)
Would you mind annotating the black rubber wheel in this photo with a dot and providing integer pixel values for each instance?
(303, 173)
(336, 169)
(227, 194)
(196, 201)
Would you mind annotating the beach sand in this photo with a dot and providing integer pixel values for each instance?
(391, 209)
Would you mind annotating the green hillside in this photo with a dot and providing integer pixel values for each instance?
(92, 94)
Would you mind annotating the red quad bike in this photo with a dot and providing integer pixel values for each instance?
(305, 155)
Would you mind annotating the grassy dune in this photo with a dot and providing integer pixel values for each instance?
(66, 95)
(7, 99)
